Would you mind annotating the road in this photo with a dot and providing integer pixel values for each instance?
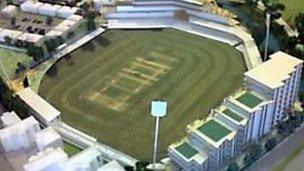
(278, 154)
(297, 163)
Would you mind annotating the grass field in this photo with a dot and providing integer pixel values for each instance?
(70, 149)
(293, 7)
(105, 87)
(10, 59)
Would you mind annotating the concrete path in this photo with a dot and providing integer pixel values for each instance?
(280, 152)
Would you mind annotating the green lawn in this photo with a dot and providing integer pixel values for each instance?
(10, 59)
(71, 149)
(293, 7)
(105, 87)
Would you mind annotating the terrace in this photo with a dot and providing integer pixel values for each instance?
(233, 115)
(186, 150)
(214, 130)
(249, 99)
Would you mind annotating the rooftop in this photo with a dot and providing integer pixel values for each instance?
(280, 63)
(186, 150)
(10, 118)
(233, 115)
(249, 99)
(50, 158)
(42, 107)
(113, 166)
(46, 137)
(214, 130)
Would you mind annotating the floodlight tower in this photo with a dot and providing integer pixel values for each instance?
(158, 110)
(267, 35)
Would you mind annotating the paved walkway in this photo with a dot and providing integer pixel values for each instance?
(280, 152)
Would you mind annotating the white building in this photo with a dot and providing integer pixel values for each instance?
(88, 160)
(56, 159)
(9, 119)
(9, 11)
(65, 12)
(48, 9)
(184, 156)
(48, 160)
(31, 38)
(277, 79)
(235, 121)
(48, 138)
(40, 108)
(76, 18)
(256, 108)
(112, 166)
(13, 34)
(20, 135)
(30, 6)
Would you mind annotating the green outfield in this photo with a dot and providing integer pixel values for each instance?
(105, 87)
(293, 7)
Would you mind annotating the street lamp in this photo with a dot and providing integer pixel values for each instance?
(158, 110)
(267, 35)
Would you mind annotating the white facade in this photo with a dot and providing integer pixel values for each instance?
(30, 6)
(259, 116)
(9, 11)
(48, 160)
(48, 9)
(48, 138)
(65, 12)
(87, 160)
(13, 34)
(40, 108)
(31, 38)
(277, 79)
(20, 135)
(9, 119)
(57, 160)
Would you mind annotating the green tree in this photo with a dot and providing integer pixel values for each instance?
(26, 82)
(20, 67)
(254, 151)
(233, 166)
(36, 52)
(49, 20)
(13, 21)
(8, 40)
(9, 2)
(270, 144)
(299, 24)
(51, 45)
(91, 24)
